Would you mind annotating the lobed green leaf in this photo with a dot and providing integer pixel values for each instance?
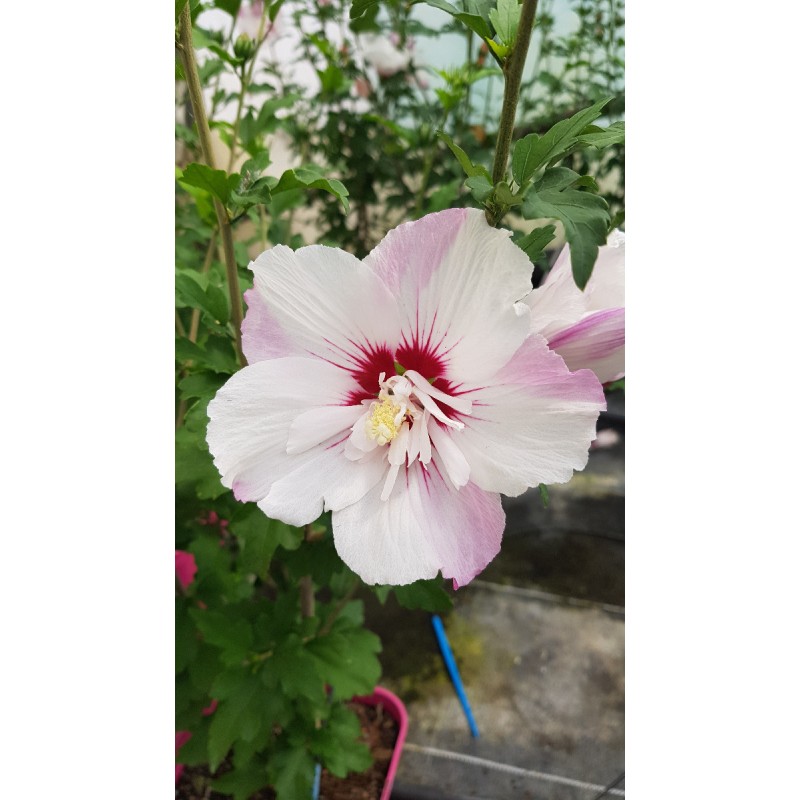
(584, 215)
(505, 19)
(535, 242)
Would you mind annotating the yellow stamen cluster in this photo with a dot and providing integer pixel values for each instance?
(381, 424)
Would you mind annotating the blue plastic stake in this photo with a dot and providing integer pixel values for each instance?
(452, 668)
(317, 779)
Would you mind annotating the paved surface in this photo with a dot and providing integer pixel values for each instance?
(539, 639)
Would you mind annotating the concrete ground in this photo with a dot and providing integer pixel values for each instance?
(539, 639)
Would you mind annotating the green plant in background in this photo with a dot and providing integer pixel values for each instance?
(270, 635)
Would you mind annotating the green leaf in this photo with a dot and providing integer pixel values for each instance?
(259, 537)
(238, 716)
(522, 166)
(504, 195)
(500, 50)
(253, 167)
(428, 595)
(200, 385)
(209, 298)
(481, 187)
(584, 215)
(505, 19)
(534, 243)
(536, 152)
(274, 9)
(224, 55)
(337, 743)
(474, 22)
(231, 6)
(603, 137)
(296, 670)
(194, 465)
(251, 194)
(216, 355)
(243, 781)
(215, 181)
(381, 592)
(360, 7)
(346, 659)
(233, 636)
(472, 170)
(310, 178)
(292, 773)
(544, 494)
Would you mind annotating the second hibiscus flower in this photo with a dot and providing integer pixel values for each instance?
(403, 393)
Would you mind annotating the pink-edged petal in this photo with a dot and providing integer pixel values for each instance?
(457, 281)
(251, 417)
(532, 422)
(262, 336)
(423, 528)
(597, 343)
(323, 302)
(559, 303)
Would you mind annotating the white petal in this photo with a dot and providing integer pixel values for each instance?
(325, 481)
(250, 419)
(457, 281)
(532, 422)
(325, 302)
(317, 425)
(423, 527)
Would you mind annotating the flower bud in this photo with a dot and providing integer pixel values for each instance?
(244, 47)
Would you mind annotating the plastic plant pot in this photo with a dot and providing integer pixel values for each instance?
(395, 708)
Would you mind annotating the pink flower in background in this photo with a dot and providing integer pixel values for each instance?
(403, 392)
(586, 328)
(181, 737)
(185, 568)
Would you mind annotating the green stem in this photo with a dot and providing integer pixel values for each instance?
(426, 171)
(246, 79)
(512, 72)
(204, 133)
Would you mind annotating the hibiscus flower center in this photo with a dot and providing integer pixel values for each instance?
(409, 415)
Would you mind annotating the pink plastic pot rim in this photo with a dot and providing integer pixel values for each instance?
(397, 711)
